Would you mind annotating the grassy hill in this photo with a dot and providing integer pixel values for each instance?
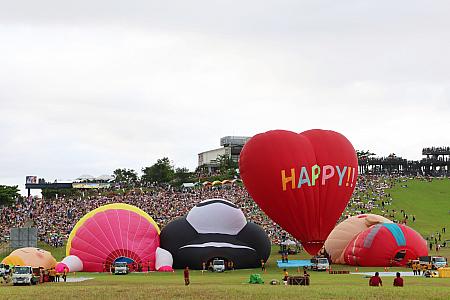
(428, 201)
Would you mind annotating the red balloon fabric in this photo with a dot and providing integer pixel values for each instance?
(303, 181)
(383, 245)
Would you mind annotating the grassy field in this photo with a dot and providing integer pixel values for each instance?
(429, 202)
(233, 285)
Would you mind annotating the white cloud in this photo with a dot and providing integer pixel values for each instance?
(87, 87)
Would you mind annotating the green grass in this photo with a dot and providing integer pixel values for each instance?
(429, 201)
(233, 285)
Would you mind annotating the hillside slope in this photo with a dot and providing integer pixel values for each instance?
(429, 202)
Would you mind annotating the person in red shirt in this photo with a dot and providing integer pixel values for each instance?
(375, 280)
(186, 276)
(398, 281)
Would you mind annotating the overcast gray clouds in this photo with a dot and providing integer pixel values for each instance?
(90, 86)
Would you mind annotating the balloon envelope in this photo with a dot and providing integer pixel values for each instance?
(114, 232)
(302, 181)
(345, 231)
(215, 228)
(30, 256)
(383, 245)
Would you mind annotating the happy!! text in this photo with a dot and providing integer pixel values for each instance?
(317, 175)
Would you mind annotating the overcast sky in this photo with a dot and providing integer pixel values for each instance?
(89, 86)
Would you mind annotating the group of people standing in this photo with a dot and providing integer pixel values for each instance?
(54, 276)
(417, 267)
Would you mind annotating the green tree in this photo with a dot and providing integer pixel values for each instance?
(361, 154)
(125, 177)
(51, 193)
(8, 194)
(226, 165)
(161, 172)
(182, 175)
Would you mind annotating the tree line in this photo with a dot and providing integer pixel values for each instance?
(164, 172)
(8, 194)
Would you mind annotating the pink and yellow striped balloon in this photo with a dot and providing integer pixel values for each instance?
(111, 232)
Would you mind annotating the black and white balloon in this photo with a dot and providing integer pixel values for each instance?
(215, 228)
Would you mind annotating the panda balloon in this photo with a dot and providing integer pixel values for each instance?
(215, 228)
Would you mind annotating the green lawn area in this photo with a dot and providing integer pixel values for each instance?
(428, 201)
(233, 285)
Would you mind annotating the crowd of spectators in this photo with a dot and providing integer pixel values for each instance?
(55, 218)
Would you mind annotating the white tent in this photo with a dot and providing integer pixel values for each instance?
(105, 177)
(288, 243)
(85, 177)
(187, 185)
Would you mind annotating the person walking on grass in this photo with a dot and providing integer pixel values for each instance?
(285, 276)
(186, 276)
(64, 276)
(57, 275)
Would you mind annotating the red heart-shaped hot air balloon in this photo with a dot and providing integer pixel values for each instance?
(302, 181)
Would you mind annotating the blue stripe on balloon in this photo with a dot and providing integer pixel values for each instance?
(397, 233)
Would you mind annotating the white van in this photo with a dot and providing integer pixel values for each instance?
(120, 268)
(218, 265)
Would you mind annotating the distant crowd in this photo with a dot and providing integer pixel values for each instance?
(55, 218)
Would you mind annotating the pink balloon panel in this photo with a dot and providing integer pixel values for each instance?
(113, 234)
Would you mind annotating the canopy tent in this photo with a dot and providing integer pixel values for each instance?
(288, 243)
(85, 177)
(187, 185)
(105, 177)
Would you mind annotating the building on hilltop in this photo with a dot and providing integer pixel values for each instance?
(436, 163)
(231, 147)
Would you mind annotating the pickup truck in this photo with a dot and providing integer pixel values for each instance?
(436, 261)
(319, 264)
(24, 275)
